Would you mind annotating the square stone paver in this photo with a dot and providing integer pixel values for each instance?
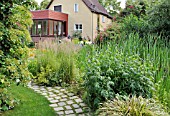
(69, 112)
(62, 90)
(73, 97)
(53, 95)
(63, 99)
(57, 97)
(44, 94)
(82, 104)
(59, 109)
(57, 91)
(50, 98)
(53, 101)
(78, 100)
(50, 93)
(60, 94)
(64, 96)
(79, 110)
(49, 87)
(71, 115)
(70, 102)
(57, 87)
(53, 105)
(61, 103)
(37, 90)
(60, 112)
(43, 89)
(68, 107)
(75, 106)
(70, 94)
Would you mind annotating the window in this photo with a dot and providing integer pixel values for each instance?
(78, 27)
(39, 28)
(50, 27)
(75, 7)
(59, 28)
(34, 28)
(103, 19)
(55, 27)
(45, 27)
(58, 8)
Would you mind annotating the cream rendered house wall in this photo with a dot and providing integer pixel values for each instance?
(83, 16)
(104, 25)
(95, 25)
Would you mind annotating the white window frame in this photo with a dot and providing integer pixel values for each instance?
(76, 7)
(81, 30)
(103, 19)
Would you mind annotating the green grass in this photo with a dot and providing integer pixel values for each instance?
(31, 103)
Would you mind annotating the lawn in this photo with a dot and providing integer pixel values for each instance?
(31, 103)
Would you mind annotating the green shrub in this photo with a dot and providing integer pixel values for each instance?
(112, 32)
(14, 37)
(77, 34)
(135, 106)
(109, 71)
(75, 40)
(133, 24)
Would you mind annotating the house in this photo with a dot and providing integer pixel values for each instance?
(65, 17)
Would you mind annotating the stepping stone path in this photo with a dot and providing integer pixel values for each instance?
(63, 102)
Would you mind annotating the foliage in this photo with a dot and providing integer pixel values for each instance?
(32, 5)
(135, 7)
(29, 103)
(159, 17)
(135, 106)
(110, 71)
(77, 34)
(44, 4)
(14, 36)
(75, 40)
(58, 69)
(112, 32)
(112, 6)
(133, 24)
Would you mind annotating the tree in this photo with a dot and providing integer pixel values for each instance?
(135, 7)
(33, 5)
(159, 18)
(15, 19)
(112, 6)
(44, 4)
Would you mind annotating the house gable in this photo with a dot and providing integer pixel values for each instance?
(93, 5)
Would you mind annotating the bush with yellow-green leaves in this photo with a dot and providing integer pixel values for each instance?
(14, 37)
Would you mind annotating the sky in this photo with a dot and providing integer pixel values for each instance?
(122, 2)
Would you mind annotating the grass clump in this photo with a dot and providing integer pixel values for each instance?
(54, 64)
(134, 106)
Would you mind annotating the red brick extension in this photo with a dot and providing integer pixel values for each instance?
(51, 15)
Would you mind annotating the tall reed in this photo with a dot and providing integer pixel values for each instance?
(156, 50)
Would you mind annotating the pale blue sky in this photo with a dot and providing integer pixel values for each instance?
(122, 2)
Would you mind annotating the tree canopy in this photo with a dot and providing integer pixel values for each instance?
(112, 6)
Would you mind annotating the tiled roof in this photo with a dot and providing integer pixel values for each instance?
(96, 7)
(49, 14)
(93, 5)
